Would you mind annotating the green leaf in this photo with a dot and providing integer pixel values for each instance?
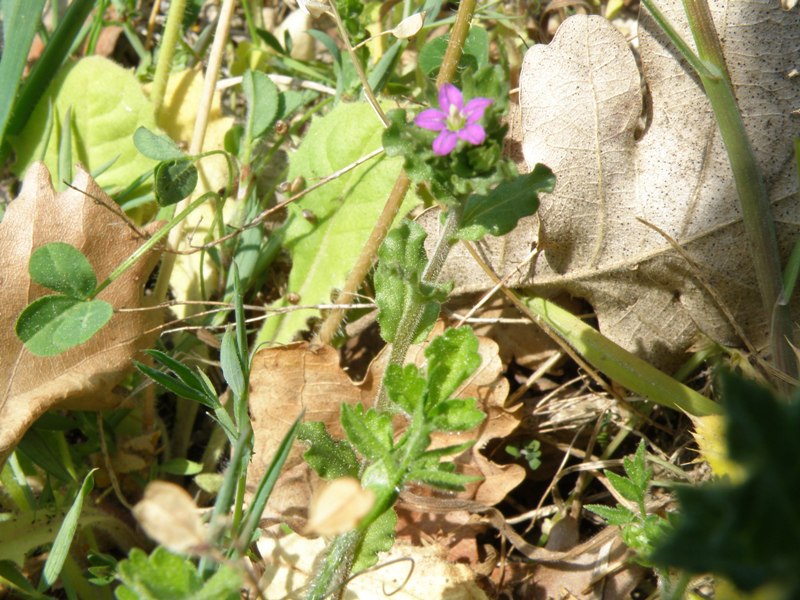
(438, 453)
(43, 448)
(53, 324)
(636, 468)
(108, 105)
(346, 209)
(180, 466)
(456, 415)
(11, 575)
(263, 102)
(166, 575)
(378, 538)
(232, 368)
(499, 211)
(369, 432)
(747, 531)
(174, 180)
(188, 383)
(616, 515)
(626, 488)
(65, 535)
(476, 52)
(442, 479)
(330, 459)
(21, 18)
(267, 484)
(452, 357)
(62, 268)
(157, 147)
(405, 387)
(398, 282)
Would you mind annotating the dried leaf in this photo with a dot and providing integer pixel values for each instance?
(283, 382)
(168, 514)
(82, 377)
(290, 559)
(410, 26)
(581, 100)
(337, 506)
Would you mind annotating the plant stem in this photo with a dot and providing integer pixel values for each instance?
(753, 197)
(198, 135)
(411, 318)
(452, 56)
(165, 53)
(362, 76)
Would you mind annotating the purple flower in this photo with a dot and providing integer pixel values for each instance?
(454, 120)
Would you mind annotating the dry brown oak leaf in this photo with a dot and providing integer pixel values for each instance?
(81, 378)
(288, 379)
(582, 106)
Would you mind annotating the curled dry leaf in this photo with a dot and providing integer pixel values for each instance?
(582, 104)
(81, 378)
(410, 26)
(168, 514)
(337, 506)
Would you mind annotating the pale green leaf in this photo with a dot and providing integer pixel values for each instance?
(108, 105)
(325, 248)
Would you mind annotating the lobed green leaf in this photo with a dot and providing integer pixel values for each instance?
(63, 268)
(330, 459)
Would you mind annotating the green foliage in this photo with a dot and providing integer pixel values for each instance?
(157, 147)
(62, 268)
(104, 123)
(378, 537)
(164, 575)
(640, 531)
(65, 535)
(263, 103)
(325, 248)
(398, 282)
(531, 452)
(391, 461)
(329, 458)
(746, 531)
(174, 180)
(21, 18)
(498, 212)
(476, 52)
(55, 323)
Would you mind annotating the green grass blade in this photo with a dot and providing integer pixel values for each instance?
(20, 20)
(266, 485)
(617, 363)
(45, 69)
(60, 549)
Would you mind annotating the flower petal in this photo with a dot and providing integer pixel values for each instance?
(450, 95)
(474, 134)
(475, 108)
(445, 143)
(431, 118)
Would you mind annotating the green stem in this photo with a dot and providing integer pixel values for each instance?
(165, 53)
(149, 244)
(753, 197)
(362, 76)
(412, 316)
(329, 580)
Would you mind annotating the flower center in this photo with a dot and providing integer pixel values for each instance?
(455, 120)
